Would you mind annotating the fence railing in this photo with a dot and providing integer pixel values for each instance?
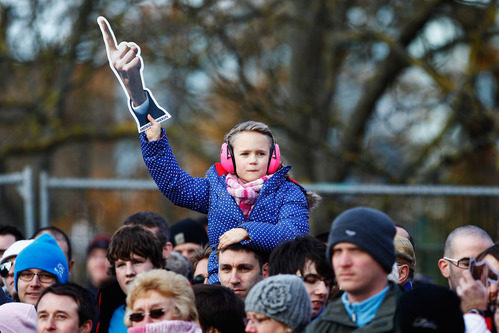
(24, 181)
(24, 184)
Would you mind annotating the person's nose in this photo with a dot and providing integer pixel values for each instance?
(234, 277)
(321, 288)
(344, 259)
(35, 282)
(130, 270)
(253, 159)
(147, 319)
(48, 325)
(250, 327)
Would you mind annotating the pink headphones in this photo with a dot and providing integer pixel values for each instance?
(229, 164)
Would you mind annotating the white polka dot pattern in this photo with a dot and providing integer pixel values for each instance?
(279, 214)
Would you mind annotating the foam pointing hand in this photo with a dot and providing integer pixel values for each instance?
(126, 63)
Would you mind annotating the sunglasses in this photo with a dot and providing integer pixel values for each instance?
(154, 314)
(482, 271)
(198, 280)
(5, 268)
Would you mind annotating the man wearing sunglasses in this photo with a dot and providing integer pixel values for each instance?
(462, 243)
(305, 258)
(38, 266)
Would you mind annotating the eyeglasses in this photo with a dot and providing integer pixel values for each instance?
(42, 276)
(314, 278)
(154, 314)
(463, 263)
(5, 268)
(198, 279)
(482, 271)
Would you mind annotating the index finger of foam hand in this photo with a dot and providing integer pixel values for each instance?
(107, 34)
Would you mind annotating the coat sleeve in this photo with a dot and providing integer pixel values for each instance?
(292, 221)
(177, 185)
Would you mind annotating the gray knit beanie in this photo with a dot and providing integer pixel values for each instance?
(283, 298)
(370, 229)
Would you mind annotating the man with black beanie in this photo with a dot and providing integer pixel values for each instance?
(361, 252)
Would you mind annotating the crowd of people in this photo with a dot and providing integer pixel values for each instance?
(361, 280)
(251, 264)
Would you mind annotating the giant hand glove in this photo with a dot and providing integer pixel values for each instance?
(127, 65)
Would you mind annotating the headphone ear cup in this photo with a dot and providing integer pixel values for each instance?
(226, 158)
(275, 160)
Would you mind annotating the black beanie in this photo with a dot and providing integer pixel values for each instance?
(188, 231)
(370, 229)
(429, 308)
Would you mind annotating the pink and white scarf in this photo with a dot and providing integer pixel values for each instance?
(245, 194)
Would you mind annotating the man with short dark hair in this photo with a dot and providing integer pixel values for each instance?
(132, 250)
(240, 268)
(65, 308)
(305, 257)
(154, 223)
(361, 251)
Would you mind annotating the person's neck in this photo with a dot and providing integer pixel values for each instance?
(363, 295)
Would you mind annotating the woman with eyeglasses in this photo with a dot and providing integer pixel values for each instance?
(161, 301)
(278, 304)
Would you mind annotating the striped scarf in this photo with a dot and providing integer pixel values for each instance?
(244, 194)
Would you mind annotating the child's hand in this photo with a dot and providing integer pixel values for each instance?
(232, 236)
(154, 132)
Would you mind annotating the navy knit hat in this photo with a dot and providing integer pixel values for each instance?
(188, 231)
(43, 254)
(370, 229)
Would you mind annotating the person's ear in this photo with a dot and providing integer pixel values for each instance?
(443, 265)
(265, 270)
(86, 327)
(70, 265)
(403, 273)
(167, 250)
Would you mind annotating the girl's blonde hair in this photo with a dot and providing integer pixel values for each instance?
(250, 126)
(168, 284)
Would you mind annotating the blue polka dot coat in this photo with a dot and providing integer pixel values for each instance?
(279, 214)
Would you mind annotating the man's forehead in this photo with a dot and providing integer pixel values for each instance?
(346, 245)
(237, 257)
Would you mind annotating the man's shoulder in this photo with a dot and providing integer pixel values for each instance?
(336, 319)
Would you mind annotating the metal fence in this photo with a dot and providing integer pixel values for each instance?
(24, 184)
(24, 181)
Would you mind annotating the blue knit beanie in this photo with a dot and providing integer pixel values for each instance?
(370, 229)
(43, 254)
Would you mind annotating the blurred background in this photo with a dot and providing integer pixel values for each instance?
(356, 92)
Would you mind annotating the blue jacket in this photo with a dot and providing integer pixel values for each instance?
(279, 214)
